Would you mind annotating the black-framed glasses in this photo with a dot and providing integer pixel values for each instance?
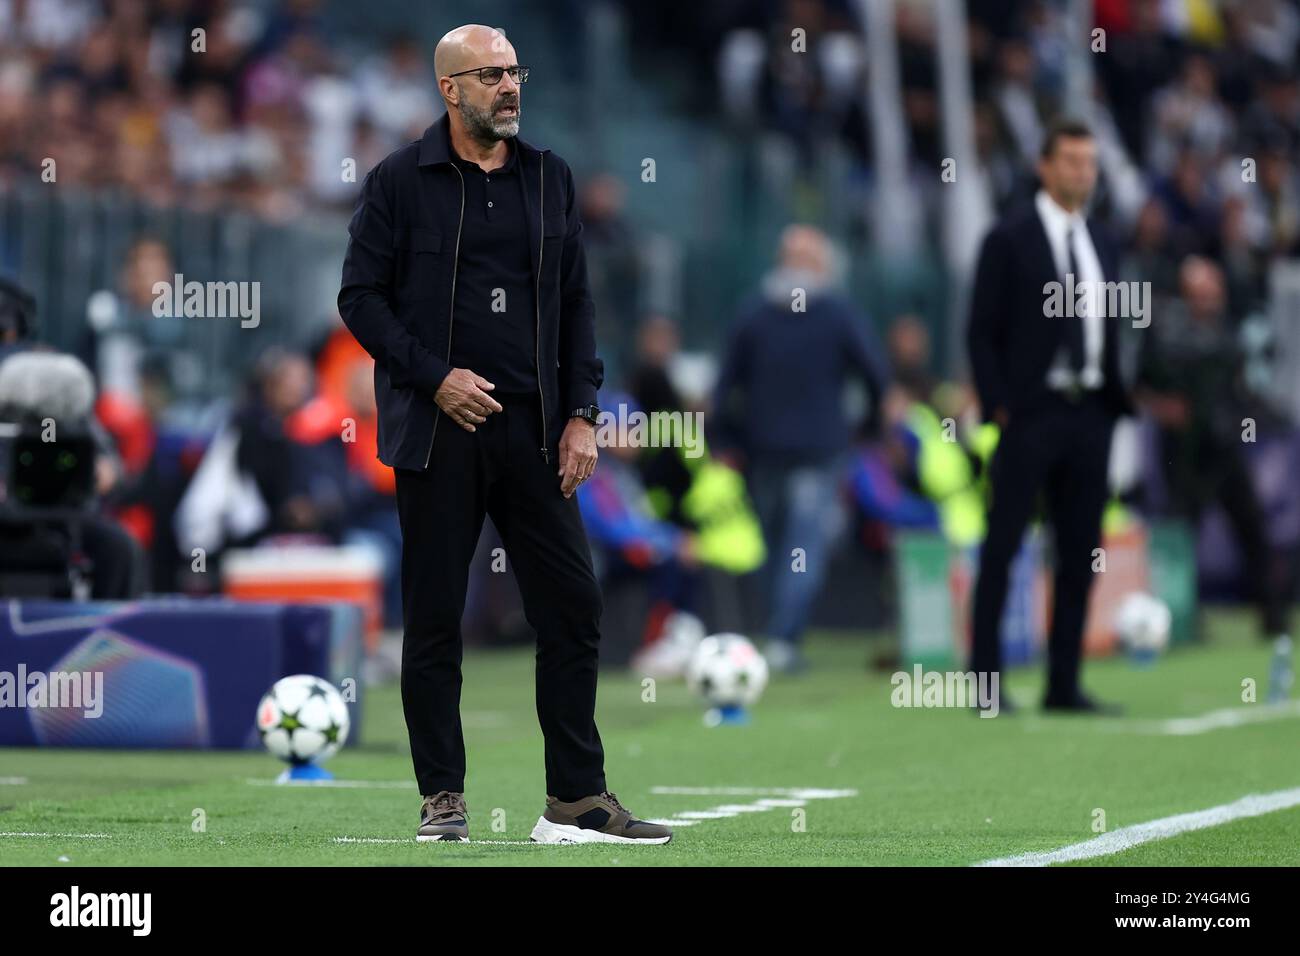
(491, 75)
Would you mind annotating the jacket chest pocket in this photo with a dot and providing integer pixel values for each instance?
(554, 227)
(417, 261)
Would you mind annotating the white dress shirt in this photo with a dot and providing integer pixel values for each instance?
(1057, 223)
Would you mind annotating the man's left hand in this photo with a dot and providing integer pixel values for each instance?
(577, 455)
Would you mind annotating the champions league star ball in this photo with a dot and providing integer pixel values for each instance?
(1142, 623)
(729, 673)
(303, 720)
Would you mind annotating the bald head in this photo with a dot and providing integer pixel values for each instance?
(483, 114)
(1203, 288)
(470, 46)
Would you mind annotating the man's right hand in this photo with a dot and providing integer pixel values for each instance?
(464, 396)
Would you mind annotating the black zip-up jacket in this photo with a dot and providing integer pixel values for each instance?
(399, 286)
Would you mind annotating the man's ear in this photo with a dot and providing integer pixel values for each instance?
(450, 92)
(1041, 169)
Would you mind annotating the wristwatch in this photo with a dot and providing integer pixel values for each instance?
(588, 413)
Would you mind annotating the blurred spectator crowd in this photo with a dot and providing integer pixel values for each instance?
(222, 104)
(1184, 92)
(118, 94)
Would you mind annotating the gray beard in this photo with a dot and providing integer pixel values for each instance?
(483, 127)
(780, 283)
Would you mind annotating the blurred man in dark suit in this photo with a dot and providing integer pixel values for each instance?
(1052, 383)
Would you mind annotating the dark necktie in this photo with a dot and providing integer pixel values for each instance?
(1074, 322)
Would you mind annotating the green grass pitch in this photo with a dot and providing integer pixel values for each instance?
(931, 786)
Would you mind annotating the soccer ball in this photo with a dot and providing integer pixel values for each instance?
(303, 719)
(727, 671)
(1142, 622)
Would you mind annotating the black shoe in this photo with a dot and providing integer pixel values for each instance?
(1081, 703)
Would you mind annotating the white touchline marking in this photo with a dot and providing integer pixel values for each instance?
(346, 784)
(1228, 717)
(1124, 838)
(414, 842)
(741, 808)
(810, 793)
(794, 797)
(12, 781)
(791, 797)
(1225, 718)
(65, 836)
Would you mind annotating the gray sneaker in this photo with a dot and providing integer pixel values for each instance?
(443, 817)
(597, 819)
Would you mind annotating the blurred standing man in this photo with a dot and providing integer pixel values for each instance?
(472, 230)
(780, 403)
(1053, 386)
(1191, 381)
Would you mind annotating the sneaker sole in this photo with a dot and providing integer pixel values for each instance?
(548, 832)
(441, 838)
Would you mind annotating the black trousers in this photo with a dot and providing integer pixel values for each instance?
(498, 470)
(1060, 449)
(1225, 478)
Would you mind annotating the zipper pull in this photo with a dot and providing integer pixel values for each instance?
(546, 456)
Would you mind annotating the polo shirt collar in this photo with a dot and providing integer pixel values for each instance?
(435, 144)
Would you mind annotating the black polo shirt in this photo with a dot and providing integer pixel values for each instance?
(495, 328)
